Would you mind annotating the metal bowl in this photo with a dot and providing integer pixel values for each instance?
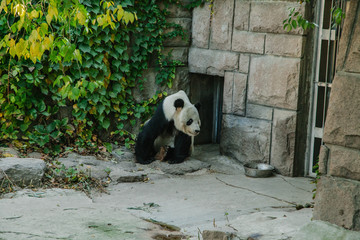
(258, 170)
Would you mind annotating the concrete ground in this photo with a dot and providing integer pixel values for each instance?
(166, 207)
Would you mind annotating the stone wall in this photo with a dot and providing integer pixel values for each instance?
(338, 190)
(244, 42)
(179, 49)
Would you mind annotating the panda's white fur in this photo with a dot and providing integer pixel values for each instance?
(174, 124)
(180, 116)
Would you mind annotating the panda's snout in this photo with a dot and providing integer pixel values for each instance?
(197, 131)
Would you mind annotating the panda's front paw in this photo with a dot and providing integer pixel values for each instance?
(177, 160)
(145, 162)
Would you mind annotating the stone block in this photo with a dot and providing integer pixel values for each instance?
(181, 81)
(274, 81)
(283, 141)
(248, 42)
(323, 159)
(241, 17)
(234, 93)
(201, 26)
(189, 166)
(22, 171)
(244, 61)
(269, 16)
(342, 122)
(222, 24)
(258, 111)
(212, 62)
(179, 41)
(150, 88)
(337, 201)
(245, 139)
(228, 92)
(284, 45)
(177, 53)
(217, 235)
(239, 93)
(348, 57)
(9, 152)
(344, 162)
(176, 11)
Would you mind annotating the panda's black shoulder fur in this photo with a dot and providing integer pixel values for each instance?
(144, 150)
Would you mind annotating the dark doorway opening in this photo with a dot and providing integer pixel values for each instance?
(208, 90)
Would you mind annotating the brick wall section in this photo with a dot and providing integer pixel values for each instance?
(244, 42)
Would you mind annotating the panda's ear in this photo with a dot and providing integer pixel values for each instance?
(179, 103)
(198, 105)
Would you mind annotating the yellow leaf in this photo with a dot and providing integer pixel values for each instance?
(12, 43)
(128, 17)
(20, 10)
(46, 43)
(35, 51)
(34, 14)
(20, 23)
(120, 12)
(80, 16)
(116, 108)
(3, 6)
(92, 110)
(52, 13)
(8, 155)
(49, 17)
(21, 47)
(77, 55)
(34, 36)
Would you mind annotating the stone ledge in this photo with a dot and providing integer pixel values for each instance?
(22, 171)
(212, 62)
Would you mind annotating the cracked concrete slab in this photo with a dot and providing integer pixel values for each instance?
(210, 199)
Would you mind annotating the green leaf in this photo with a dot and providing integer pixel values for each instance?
(91, 86)
(85, 48)
(106, 123)
(42, 106)
(51, 127)
(100, 109)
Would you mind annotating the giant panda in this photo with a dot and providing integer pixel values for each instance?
(175, 123)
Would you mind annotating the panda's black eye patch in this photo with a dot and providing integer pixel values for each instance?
(189, 122)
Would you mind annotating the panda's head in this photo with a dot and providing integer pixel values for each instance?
(187, 118)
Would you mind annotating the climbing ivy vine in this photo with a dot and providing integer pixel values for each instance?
(68, 69)
(296, 19)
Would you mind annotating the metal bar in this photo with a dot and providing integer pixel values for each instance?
(322, 84)
(309, 169)
(328, 34)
